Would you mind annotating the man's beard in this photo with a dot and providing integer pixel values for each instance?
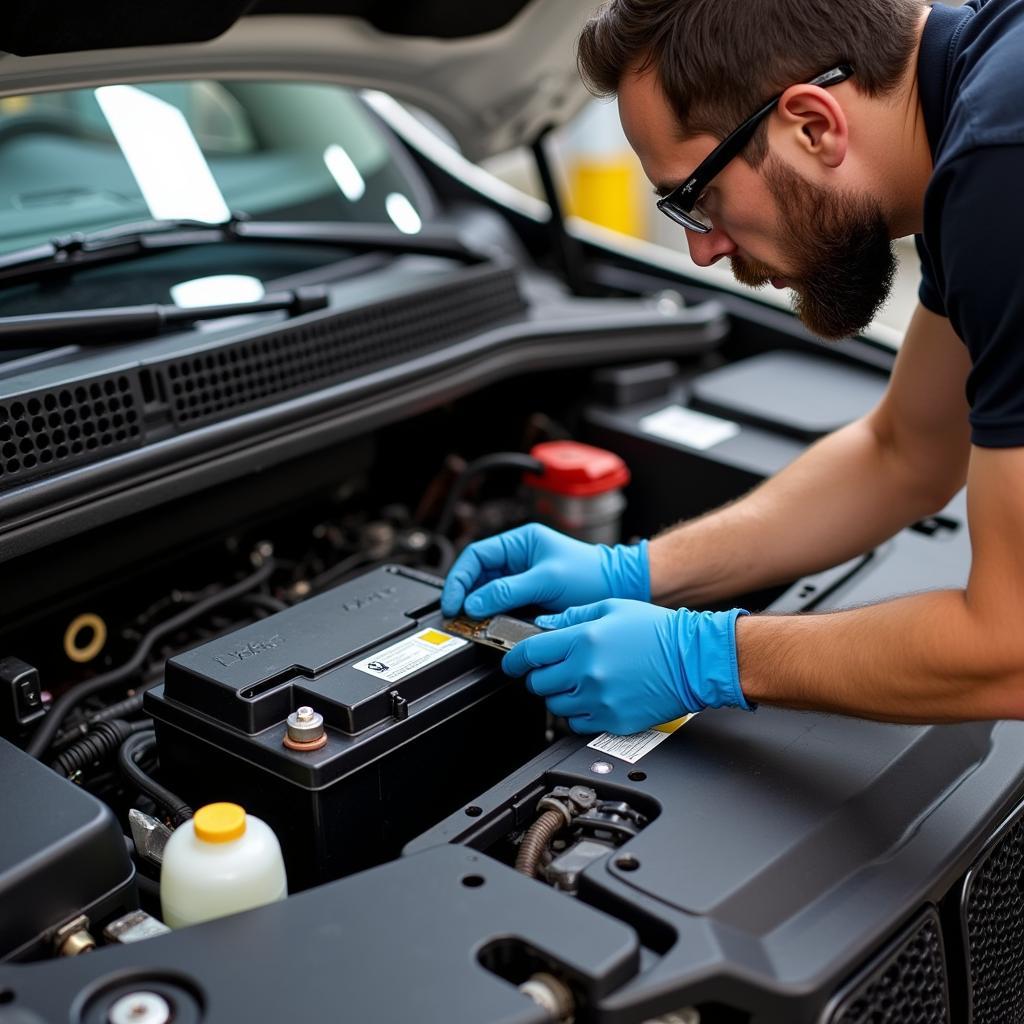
(838, 250)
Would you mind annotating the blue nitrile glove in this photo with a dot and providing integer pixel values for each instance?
(537, 565)
(624, 666)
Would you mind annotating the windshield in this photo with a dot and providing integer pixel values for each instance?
(87, 159)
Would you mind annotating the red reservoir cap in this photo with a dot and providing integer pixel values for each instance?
(577, 470)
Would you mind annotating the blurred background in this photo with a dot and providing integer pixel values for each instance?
(602, 183)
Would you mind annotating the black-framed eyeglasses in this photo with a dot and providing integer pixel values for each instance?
(682, 204)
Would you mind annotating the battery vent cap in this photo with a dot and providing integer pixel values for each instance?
(577, 470)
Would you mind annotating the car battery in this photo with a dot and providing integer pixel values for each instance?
(415, 721)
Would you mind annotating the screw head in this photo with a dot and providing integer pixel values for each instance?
(601, 768)
(417, 540)
(140, 1008)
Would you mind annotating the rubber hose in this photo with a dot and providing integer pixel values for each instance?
(498, 460)
(49, 726)
(445, 552)
(101, 742)
(126, 755)
(122, 709)
(536, 841)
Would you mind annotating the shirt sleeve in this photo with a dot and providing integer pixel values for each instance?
(981, 249)
(928, 292)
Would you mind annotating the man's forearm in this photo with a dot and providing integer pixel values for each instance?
(926, 658)
(843, 496)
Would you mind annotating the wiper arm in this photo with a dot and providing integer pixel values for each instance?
(70, 252)
(125, 323)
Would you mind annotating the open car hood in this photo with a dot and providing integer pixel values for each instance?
(494, 75)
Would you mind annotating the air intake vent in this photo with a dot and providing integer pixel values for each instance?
(905, 984)
(296, 360)
(46, 431)
(992, 918)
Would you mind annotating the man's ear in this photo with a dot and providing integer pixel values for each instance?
(814, 121)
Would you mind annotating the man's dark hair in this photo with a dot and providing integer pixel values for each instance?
(718, 60)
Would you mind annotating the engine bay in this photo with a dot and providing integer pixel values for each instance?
(433, 819)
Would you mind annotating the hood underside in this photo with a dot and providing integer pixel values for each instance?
(494, 75)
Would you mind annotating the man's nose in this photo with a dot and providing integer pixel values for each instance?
(709, 248)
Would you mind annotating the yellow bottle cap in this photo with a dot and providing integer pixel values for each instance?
(219, 823)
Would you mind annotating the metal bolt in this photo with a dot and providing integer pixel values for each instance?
(417, 540)
(305, 725)
(76, 943)
(583, 797)
(140, 1008)
(550, 993)
(305, 730)
(261, 553)
(601, 768)
(74, 938)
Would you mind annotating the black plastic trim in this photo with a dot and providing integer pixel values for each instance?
(878, 974)
(58, 507)
(998, 837)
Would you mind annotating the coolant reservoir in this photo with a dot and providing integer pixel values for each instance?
(220, 862)
(580, 490)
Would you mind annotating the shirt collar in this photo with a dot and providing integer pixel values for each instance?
(933, 66)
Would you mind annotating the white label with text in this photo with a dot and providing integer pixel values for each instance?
(410, 655)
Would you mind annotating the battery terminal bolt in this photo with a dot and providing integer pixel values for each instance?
(305, 730)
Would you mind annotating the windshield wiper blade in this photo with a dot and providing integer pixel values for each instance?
(125, 323)
(68, 253)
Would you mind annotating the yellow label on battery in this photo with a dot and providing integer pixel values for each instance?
(670, 727)
(434, 636)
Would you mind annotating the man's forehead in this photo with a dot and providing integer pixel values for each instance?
(652, 130)
(644, 108)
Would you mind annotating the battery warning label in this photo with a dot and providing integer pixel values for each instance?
(632, 748)
(410, 655)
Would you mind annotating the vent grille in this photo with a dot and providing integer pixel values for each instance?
(906, 984)
(46, 431)
(49, 430)
(992, 916)
(295, 360)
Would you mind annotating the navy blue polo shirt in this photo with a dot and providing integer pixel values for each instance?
(971, 84)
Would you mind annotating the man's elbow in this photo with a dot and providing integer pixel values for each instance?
(994, 665)
(935, 495)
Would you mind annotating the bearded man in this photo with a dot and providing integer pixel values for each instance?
(797, 138)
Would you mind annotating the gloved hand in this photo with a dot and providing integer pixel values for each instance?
(537, 565)
(624, 666)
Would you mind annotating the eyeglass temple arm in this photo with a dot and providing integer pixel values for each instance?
(729, 148)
